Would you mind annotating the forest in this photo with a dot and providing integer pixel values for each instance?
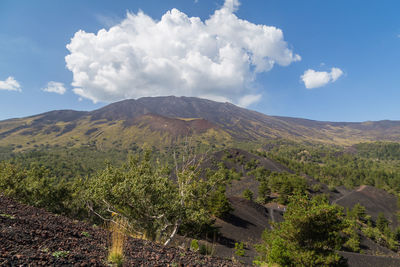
(164, 195)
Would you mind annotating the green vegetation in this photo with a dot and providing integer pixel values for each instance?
(248, 194)
(5, 215)
(376, 164)
(116, 251)
(286, 184)
(86, 234)
(379, 150)
(153, 204)
(309, 235)
(160, 195)
(37, 187)
(379, 232)
(218, 204)
(60, 254)
(68, 164)
(194, 245)
(239, 249)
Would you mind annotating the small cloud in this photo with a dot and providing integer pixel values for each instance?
(247, 100)
(55, 87)
(314, 79)
(10, 84)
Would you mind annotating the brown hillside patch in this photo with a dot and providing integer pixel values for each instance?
(173, 126)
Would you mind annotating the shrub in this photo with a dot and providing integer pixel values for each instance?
(381, 222)
(248, 194)
(239, 249)
(316, 187)
(194, 245)
(60, 254)
(218, 203)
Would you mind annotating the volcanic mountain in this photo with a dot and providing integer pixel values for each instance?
(163, 121)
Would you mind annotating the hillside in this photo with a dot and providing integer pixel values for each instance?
(374, 200)
(164, 121)
(32, 236)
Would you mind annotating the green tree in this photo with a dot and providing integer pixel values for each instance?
(308, 236)
(144, 195)
(218, 203)
(263, 192)
(248, 194)
(142, 192)
(381, 222)
(35, 186)
(358, 211)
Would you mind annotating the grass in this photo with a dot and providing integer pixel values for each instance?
(60, 254)
(85, 234)
(7, 216)
(116, 252)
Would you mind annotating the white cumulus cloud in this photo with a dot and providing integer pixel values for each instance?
(10, 84)
(314, 79)
(55, 87)
(218, 58)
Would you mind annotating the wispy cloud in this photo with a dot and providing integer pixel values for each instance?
(108, 20)
(314, 79)
(55, 87)
(10, 84)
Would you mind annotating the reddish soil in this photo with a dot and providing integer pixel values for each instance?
(173, 126)
(33, 237)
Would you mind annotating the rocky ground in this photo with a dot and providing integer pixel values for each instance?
(34, 237)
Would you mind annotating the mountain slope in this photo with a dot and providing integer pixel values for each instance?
(163, 121)
(33, 237)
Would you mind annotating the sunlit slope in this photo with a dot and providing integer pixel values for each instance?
(163, 121)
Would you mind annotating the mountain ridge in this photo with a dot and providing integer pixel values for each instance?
(143, 120)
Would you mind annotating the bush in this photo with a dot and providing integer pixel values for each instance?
(218, 203)
(35, 186)
(194, 245)
(381, 222)
(239, 249)
(316, 187)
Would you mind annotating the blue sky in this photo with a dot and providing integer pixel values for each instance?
(360, 38)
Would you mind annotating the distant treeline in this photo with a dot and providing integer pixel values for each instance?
(376, 164)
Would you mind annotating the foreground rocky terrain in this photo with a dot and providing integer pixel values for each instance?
(34, 237)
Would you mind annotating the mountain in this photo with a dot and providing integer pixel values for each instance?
(163, 121)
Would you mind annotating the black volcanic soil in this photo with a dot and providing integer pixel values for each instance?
(355, 259)
(374, 200)
(246, 224)
(29, 237)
